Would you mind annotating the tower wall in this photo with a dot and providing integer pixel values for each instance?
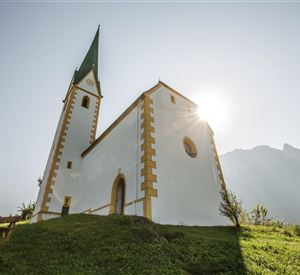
(76, 131)
(38, 207)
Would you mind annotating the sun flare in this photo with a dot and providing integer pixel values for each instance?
(214, 110)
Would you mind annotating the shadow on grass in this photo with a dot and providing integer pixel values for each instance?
(120, 245)
(209, 250)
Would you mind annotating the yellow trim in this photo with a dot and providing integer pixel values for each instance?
(111, 127)
(216, 157)
(61, 140)
(84, 90)
(148, 153)
(95, 121)
(95, 79)
(67, 201)
(121, 117)
(113, 199)
(76, 85)
(147, 119)
(174, 91)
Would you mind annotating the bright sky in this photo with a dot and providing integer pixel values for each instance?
(243, 58)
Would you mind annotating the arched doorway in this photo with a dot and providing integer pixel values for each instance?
(120, 197)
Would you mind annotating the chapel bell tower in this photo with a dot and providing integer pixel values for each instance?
(61, 188)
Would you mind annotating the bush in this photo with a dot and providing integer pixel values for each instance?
(231, 207)
(259, 215)
(26, 211)
(296, 229)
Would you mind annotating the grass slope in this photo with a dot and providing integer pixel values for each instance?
(88, 244)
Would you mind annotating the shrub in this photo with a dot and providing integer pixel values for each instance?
(259, 215)
(231, 207)
(296, 229)
(26, 211)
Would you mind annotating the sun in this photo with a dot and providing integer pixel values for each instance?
(214, 110)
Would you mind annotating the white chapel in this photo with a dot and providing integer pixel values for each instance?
(156, 160)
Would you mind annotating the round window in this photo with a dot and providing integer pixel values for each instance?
(190, 147)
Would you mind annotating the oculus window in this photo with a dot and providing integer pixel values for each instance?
(190, 147)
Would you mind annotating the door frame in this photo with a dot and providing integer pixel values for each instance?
(113, 200)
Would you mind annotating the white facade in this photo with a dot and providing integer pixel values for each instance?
(188, 188)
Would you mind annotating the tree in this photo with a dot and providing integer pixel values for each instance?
(231, 207)
(26, 211)
(259, 215)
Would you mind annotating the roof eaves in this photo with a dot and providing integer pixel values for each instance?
(176, 92)
(127, 111)
(112, 126)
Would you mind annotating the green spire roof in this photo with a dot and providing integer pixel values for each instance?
(89, 62)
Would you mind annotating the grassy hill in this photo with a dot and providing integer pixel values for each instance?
(88, 244)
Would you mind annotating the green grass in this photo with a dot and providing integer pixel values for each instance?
(88, 244)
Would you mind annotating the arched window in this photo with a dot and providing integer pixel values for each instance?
(190, 147)
(85, 102)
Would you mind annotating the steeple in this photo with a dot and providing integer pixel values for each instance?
(89, 62)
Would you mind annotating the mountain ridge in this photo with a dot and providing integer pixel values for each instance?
(266, 175)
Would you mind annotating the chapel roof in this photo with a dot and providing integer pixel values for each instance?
(129, 109)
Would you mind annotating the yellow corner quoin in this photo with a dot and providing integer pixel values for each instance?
(57, 154)
(216, 157)
(145, 115)
(95, 121)
(148, 153)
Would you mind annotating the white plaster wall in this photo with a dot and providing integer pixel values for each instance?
(188, 188)
(67, 182)
(139, 208)
(44, 217)
(49, 216)
(48, 165)
(102, 211)
(118, 152)
(34, 219)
